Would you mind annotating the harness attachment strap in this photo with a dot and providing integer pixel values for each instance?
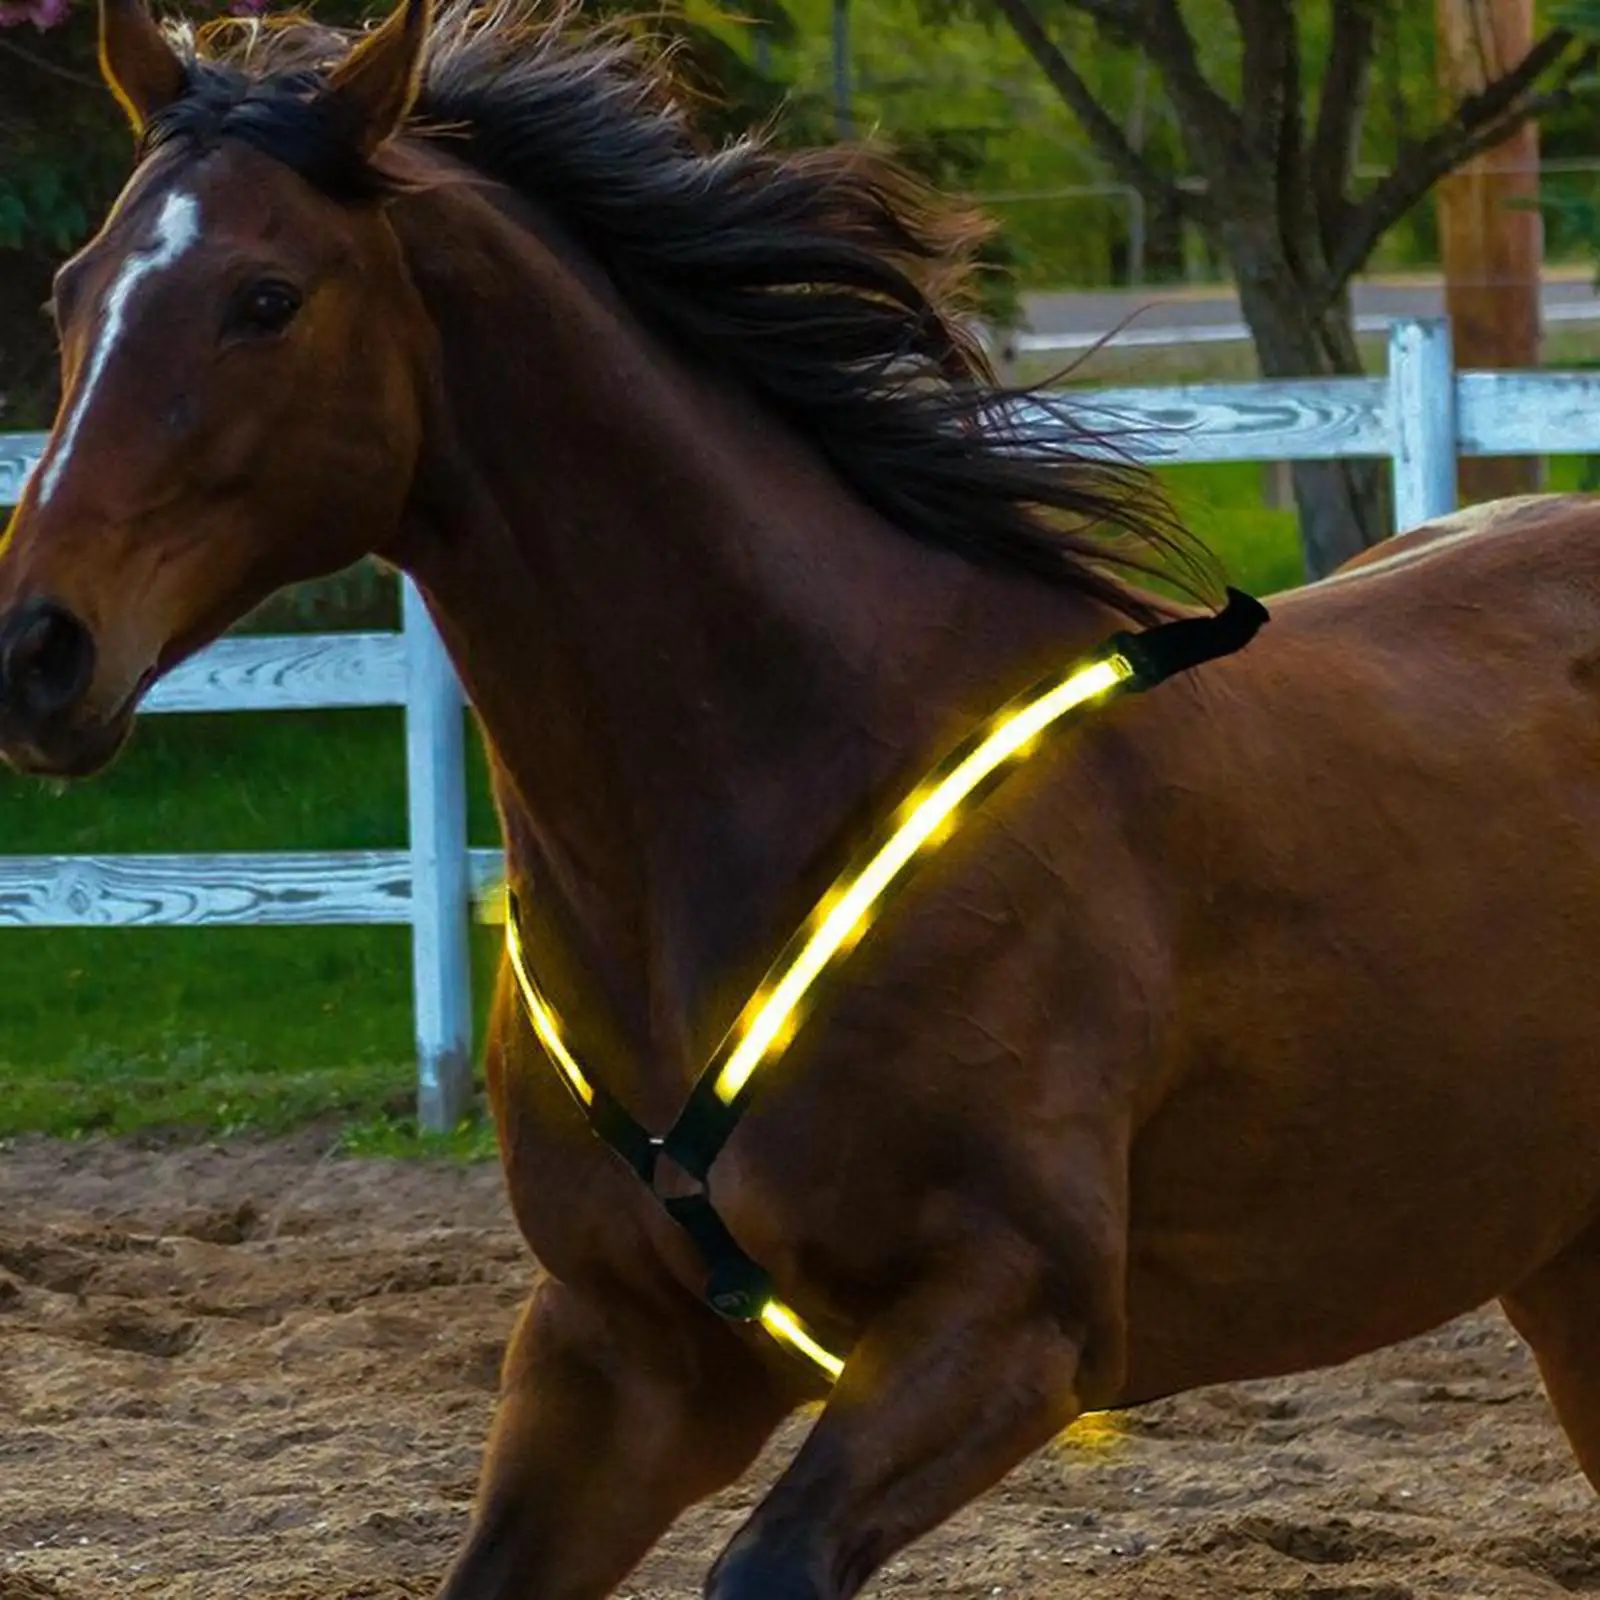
(737, 1287)
(614, 1126)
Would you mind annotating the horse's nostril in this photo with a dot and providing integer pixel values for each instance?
(46, 660)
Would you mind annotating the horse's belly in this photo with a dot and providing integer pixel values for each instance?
(1278, 1226)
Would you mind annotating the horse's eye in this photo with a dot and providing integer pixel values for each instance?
(264, 308)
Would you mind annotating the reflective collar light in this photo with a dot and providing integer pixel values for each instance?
(792, 1333)
(845, 910)
(781, 1321)
(737, 1287)
(835, 926)
(544, 1019)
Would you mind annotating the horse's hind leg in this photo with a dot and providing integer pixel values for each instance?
(1558, 1312)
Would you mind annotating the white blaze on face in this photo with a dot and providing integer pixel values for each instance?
(177, 229)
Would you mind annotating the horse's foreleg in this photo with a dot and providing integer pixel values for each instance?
(611, 1421)
(939, 1400)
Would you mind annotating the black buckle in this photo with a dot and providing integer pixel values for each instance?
(1160, 652)
(736, 1287)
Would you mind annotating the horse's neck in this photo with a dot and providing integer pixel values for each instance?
(696, 656)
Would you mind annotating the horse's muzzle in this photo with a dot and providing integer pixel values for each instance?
(47, 662)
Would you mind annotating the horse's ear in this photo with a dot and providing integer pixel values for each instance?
(380, 78)
(145, 73)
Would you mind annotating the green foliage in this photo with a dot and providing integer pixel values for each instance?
(64, 144)
(62, 148)
(1582, 16)
(53, 188)
(962, 104)
(37, 206)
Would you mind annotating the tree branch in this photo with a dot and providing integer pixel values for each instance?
(1103, 129)
(1215, 133)
(1120, 16)
(1266, 30)
(1479, 122)
(1274, 125)
(22, 53)
(1339, 113)
(1302, 238)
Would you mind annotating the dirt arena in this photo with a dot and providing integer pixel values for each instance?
(251, 1370)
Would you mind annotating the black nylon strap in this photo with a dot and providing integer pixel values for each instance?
(1173, 647)
(735, 1286)
(631, 1141)
(696, 1139)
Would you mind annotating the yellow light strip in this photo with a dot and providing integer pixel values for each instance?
(544, 1019)
(844, 910)
(790, 1331)
(783, 1324)
(1092, 1432)
(839, 920)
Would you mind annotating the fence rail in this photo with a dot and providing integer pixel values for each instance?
(1420, 416)
(1172, 336)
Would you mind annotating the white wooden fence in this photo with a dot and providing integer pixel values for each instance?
(1420, 416)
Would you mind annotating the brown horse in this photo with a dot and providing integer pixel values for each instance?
(1252, 1025)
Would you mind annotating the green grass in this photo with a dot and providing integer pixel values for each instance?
(263, 1029)
(218, 1028)
(396, 1134)
(1259, 547)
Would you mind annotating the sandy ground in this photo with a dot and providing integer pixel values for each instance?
(250, 1371)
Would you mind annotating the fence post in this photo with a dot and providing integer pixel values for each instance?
(440, 890)
(1422, 419)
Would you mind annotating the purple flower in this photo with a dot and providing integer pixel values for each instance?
(42, 14)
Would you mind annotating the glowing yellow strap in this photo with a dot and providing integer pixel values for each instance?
(792, 1333)
(838, 921)
(782, 1322)
(544, 1019)
(842, 915)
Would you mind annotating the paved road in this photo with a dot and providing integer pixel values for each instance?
(1068, 319)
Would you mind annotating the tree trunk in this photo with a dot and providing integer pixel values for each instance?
(1340, 502)
(1275, 200)
(1345, 506)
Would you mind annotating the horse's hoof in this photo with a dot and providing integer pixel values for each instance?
(752, 1573)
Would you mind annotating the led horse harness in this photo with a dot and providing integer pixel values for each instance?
(737, 1287)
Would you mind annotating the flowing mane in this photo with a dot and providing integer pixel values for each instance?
(826, 282)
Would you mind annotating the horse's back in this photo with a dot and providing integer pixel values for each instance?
(1515, 541)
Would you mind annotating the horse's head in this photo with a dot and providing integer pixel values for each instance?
(241, 360)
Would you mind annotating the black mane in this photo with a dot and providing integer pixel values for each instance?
(822, 281)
